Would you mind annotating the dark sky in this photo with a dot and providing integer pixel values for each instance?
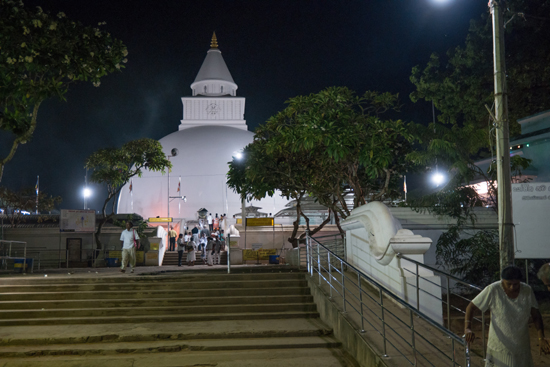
(274, 50)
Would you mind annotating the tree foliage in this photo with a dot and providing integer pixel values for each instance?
(40, 56)
(461, 84)
(113, 167)
(332, 145)
(16, 202)
(470, 253)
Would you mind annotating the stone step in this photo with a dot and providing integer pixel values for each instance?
(197, 284)
(152, 293)
(199, 275)
(114, 332)
(293, 357)
(158, 318)
(155, 302)
(169, 346)
(165, 310)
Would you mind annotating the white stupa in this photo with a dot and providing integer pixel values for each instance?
(212, 131)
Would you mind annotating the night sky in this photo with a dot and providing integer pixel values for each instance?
(274, 50)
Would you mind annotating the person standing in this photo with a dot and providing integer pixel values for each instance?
(511, 303)
(217, 249)
(210, 250)
(129, 240)
(209, 220)
(216, 222)
(195, 233)
(191, 256)
(202, 245)
(172, 234)
(181, 248)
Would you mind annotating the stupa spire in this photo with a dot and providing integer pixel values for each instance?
(214, 41)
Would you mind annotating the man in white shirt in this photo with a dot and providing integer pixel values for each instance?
(210, 220)
(127, 239)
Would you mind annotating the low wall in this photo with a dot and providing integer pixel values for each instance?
(344, 330)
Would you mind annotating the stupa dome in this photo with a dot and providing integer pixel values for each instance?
(211, 132)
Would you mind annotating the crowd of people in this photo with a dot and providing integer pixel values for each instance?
(207, 238)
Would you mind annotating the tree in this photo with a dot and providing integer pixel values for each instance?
(461, 84)
(41, 55)
(114, 168)
(470, 253)
(17, 202)
(331, 145)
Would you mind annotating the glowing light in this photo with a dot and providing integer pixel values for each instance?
(238, 155)
(438, 178)
(87, 192)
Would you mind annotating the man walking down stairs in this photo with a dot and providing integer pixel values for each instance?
(197, 318)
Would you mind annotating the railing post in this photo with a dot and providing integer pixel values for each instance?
(453, 346)
(319, 263)
(412, 335)
(329, 274)
(448, 304)
(25, 258)
(467, 361)
(383, 322)
(361, 301)
(67, 259)
(308, 260)
(417, 289)
(343, 285)
(299, 256)
(483, 334)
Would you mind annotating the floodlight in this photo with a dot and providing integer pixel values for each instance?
(438, 178)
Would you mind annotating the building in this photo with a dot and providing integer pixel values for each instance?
(212, 131)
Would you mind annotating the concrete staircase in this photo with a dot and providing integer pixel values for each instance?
(202, 318)
(171, 258)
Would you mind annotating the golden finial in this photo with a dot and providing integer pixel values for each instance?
(214, 42)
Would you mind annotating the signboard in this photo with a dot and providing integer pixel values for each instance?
(234, 243)
(77, 221)
(257, 246)
(160, 220)
(259, 222)
(530, 208)
(118, 254)
(258, 255)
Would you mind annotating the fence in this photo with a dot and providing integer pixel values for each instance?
(406, 333)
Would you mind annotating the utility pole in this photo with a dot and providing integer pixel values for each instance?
(504, 180)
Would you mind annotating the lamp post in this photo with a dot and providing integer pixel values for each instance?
(173, 153)
(86, 193)
(505, 224)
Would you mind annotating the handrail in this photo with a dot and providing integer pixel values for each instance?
(311, 258)
(448, 288)
(456, 279)
(394, 296)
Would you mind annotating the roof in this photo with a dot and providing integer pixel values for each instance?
(214, 68)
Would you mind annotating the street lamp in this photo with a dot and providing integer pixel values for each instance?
(438, 178)
(173, 153)
(86, 193)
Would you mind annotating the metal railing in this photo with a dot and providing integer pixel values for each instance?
(7, 253)
(366, 301)
(447, 295)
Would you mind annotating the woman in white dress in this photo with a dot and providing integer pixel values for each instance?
(511, 304)
(191, 248)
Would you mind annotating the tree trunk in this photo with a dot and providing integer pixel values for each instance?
(20, 140)
(292, 239)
